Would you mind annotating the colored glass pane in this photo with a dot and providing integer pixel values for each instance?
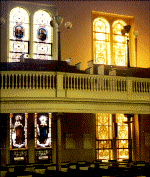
(119, 44)
(42, 130)
(122, 137)
(18, 33)
(18, 131)
(101, 44)
(42, 35)
(104, 136)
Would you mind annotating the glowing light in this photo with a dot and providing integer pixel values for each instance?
(101, 42)
(119, 43)
(18, 33)
(42, 35)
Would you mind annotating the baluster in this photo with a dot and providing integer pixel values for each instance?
(33, 81)
(15, 84)
(64, 82)
(19, 75)
(2, 81)
(46, 81)
(43, 81)
(91, 78)
(49, 82)
(30, 81)
(5, 81)
(108, 81)
(94, 83)
(36, 81)
(40, 81)
(9, 76)
(83, 84)
(86, 83)
(80, 82)
(145, 86)
(74, 83)
(110, 84)
(140, 86)
(26, 81)
(104, 84)
(70, 82)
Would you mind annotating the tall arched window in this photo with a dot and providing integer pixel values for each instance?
(119, 44)
(42, 35)
(18, 34)
(101, 41)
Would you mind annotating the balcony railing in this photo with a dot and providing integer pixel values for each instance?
(59, 84)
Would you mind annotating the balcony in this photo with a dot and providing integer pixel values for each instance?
(79, 92)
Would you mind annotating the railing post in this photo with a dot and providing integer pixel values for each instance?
(129, 88)
(60, 92)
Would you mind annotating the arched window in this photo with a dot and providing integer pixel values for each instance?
(42, 35)
(119, 43)
(18, 34)
(101, 41)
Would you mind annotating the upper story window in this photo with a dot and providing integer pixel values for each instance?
(42, 35)
(119, 43)
(22, 35)
(18, 34)
(101, 41)
(109, 45)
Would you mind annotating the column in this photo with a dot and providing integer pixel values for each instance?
(31, 141)
(129, 136)
(135, 130)
(114, 137)
(58, 142)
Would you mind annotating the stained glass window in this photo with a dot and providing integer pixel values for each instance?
(42, 35)
(104, 136)
(18, 34)
(18, 130)
(122, 137)
(42, 130)
(101, 41)
(119, 44)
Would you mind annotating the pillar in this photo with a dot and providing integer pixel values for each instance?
(129, 136)
(58, 143)
(135, 131)
(114, 137)
(31, 142)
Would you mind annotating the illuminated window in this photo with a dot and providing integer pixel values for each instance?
(122, 137)
(18, 34)
(119, 44)
(101, 41)
(104, 136)
(18, 138)
(42, 130)
(42, 38)
(18, 131)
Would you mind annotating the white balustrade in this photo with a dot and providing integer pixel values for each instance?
(73, 82)
(27, 80)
